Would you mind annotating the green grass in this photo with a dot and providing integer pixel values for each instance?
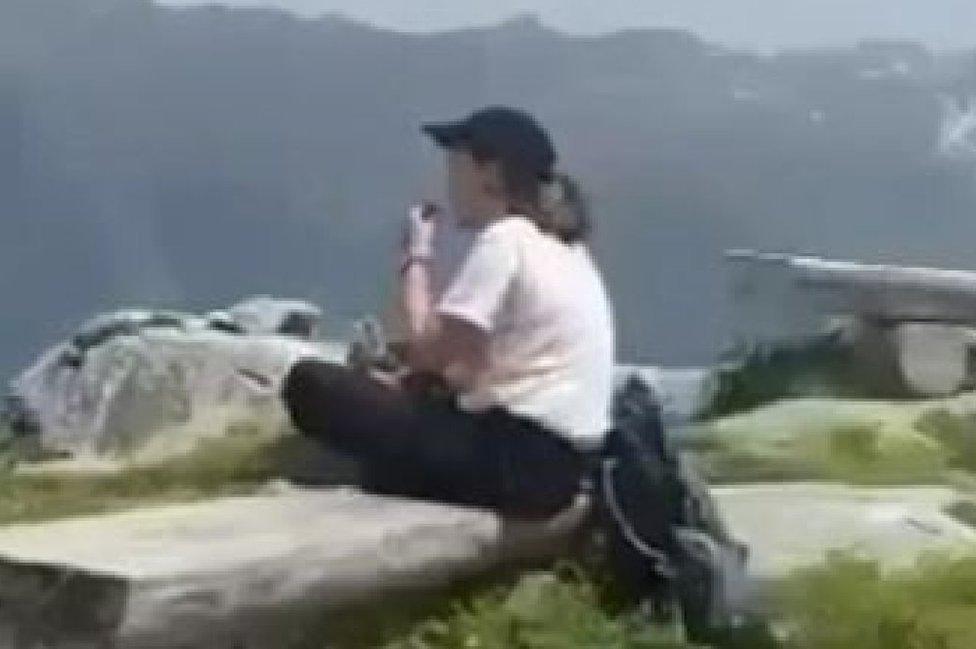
(963, 511)
(956, 432)
(849, 604)
(845, 603)
(8, 446)
(824, 366)
(220, 466)
(543, 609)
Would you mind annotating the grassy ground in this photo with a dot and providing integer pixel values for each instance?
(551, 609)
(232, 465)
(845, 603)
(541, 611)
(850, 604)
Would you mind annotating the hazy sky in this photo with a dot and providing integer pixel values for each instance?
(753, 23)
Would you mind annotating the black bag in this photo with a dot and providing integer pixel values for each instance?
(665, 538)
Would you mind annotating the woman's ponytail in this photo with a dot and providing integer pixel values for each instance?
(553, 200)
(564, 208)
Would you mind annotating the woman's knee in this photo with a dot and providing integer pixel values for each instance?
(307, 391)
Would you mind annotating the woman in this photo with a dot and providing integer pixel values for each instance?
(523, 336)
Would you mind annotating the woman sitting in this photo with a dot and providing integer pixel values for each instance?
(523, 336)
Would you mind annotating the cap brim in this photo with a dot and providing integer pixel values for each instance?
(446, 134)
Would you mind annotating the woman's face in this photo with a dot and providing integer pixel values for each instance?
(472, 189)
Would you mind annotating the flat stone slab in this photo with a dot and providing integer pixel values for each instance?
(233, 572)
(787, 526)
(246, 572)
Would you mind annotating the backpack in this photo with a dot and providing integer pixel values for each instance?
(665, 538)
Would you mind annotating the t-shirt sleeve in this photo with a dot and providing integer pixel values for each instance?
(477, 292)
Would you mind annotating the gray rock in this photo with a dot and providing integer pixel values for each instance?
(787, 526)
(133, 381)
(267, 315)
(244, 572)
(934, 358)
(798, 287)
(912, 329)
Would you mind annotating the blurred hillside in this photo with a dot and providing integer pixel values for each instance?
(185, 157)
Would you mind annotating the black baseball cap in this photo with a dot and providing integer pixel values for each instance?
(508, 135)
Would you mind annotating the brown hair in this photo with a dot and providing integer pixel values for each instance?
(554, 201)
(565, 209)
(521, 148)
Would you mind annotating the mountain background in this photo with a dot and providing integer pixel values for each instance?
(186, 157)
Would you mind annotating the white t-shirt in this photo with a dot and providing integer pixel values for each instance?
(550, 325)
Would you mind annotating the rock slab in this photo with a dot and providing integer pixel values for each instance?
(788, 526)
(238, 572)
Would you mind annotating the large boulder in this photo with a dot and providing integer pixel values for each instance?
(154, 382)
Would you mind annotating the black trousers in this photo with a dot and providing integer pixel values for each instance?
(422, 446)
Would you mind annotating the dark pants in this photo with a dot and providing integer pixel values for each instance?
(425, 447)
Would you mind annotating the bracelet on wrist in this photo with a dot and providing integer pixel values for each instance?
(410, 260)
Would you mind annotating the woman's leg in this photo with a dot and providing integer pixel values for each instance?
(428, 448)
(346, 409)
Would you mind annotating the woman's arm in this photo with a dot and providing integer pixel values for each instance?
(450, 347)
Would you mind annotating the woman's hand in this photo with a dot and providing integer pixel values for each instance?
(419, 231)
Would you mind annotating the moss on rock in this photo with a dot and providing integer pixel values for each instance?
(854, 441)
